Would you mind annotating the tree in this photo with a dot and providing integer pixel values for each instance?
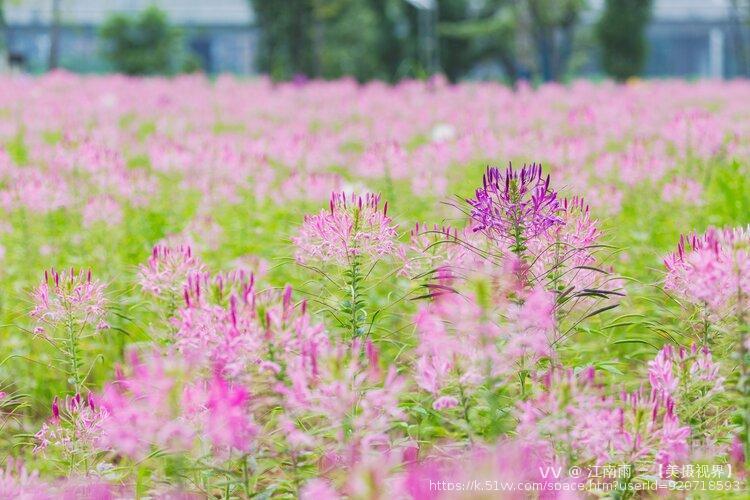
(552, 28)
(286, 45)
(487, 34)
(3, 38)
(54, 36)
(347, 39)
(621, 33)
(143, 45)
(329, 38)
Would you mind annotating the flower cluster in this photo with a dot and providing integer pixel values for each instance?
(161, 406)
(69, 297)
(378, 366)
(73, 430)
(575, 419)
(515, 206)
(354, 225)
(167, 270)
(712, 270)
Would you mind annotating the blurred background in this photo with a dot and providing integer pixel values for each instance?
(506, 40)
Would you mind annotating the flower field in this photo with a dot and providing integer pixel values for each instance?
(236, 289)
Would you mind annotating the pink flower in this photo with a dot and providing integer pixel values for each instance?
(532, 328)
(445, 402)
(661, 375)
(673, 446)
(75, 429)
(228, 423)
(69, 296)
(141, 409)
(354, 225)
(712, 270)
(318, 489)
(17, 482)
(102, 209)
(167, 270)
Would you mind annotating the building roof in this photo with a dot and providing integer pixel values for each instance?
(94, 12)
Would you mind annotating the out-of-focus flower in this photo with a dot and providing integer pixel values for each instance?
(445, 402)
(167, 270)
(228, 421)
(457, 345)
(506, 462)
(317, 489)
(684, 190)
(661, 374)
(102, 209)
(144, 409)
(531, 331)
(712, 270)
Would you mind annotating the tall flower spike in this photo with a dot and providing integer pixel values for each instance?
(515, 206)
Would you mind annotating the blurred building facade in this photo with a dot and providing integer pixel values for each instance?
(699, 38)
(687, 38)
(220, 33)
(695, 38)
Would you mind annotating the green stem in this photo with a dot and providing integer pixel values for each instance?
(354, 297)
(72, 347)
(465, 411)
(744, 380)
(354, 293)
(245, 475)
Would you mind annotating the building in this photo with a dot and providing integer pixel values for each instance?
(221, 33)
(696, 38)
(687, 38)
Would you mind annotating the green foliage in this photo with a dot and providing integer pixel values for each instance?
(621, 32)
(143, 45)
(333, 38)
(379, 39)
(347, 38)
(486, 35)
(286, 37)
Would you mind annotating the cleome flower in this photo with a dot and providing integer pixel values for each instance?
(69, 297)
(354, 225)
(167, 270)
(712, 270)
(515, 206)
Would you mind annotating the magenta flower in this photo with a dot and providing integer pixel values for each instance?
(228, 422)
(71, 298)
(712, 270)
(167, 270)
(353, 226)
(661, 374)
(457, 344)
(673, 444)
(17, 482)
(143, 409)
(74, 429)
(532, 329)
(515, 206)
(445, 402)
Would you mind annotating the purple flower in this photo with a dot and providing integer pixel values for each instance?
(515, 206)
